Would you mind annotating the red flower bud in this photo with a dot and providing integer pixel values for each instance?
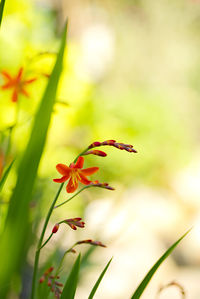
(94, 144)
(49, 282)
(96, 152)
(42, 279)
(108, 142)
(55, 228)
(75, 222)
(91, 242)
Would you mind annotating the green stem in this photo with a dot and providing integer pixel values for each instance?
(81, 154)
(64, 202)
(37, 254)
(46, 241)
(61, 262)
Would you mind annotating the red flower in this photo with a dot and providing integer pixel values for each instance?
(75, 173)
(16, 83)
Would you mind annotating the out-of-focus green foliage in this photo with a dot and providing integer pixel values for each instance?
(2, 3)
(99, 281)
(17, 224)
(72, 281)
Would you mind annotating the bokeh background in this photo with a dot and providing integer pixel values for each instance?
(131, 73)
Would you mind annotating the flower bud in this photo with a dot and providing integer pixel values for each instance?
(96, 152)
(42, 279)
(55, 228)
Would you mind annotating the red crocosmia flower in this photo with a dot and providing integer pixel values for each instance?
(75, 173)
(16, 83)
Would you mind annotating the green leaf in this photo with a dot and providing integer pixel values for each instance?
(12, 241)
(149, 275)
(5, 175)
(71, 283)
(2, 3)
(99, 280)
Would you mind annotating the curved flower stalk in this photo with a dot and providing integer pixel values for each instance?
(75, 174)
(72, 222)
(172, 284)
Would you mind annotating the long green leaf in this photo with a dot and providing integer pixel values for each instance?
(17, 226)
(71, 283)
(2, 3)
(5, 175)
(149, 275)
(99, 280)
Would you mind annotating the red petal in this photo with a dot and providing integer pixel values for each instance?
(7, 85)
(24, 92)
(15, 96)
(79, 163)
(63, 169)
(83, 179)
(61, 180)
(29, 81)
(6, 75)
(72, 186)
(89, 171)
(19, 75)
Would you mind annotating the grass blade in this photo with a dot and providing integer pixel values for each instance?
(99, 280)
(71, 283)
(13, 239)
(149, 275)
(2, 3)
(5, 175)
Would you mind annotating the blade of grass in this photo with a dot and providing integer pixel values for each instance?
(71, 283)
(99, 280)
(2, 4)
(17, 222)
(5, 175)
(151, 272)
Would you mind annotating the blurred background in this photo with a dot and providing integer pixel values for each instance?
(131, 73)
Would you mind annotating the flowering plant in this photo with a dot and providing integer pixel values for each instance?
(16, 217)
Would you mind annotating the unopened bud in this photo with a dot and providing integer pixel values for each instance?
(94, 144)
(55, 228)
(96, 152)
(42, 279)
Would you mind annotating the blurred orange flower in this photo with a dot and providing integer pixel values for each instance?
(16, 83)
(75, 173)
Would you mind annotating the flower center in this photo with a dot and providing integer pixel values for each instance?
(75, 176)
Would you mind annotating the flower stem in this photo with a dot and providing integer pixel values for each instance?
(64, 202)
(81, 154)
(39, 246)
(46, 241)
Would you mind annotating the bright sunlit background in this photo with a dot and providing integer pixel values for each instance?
(132, 73)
